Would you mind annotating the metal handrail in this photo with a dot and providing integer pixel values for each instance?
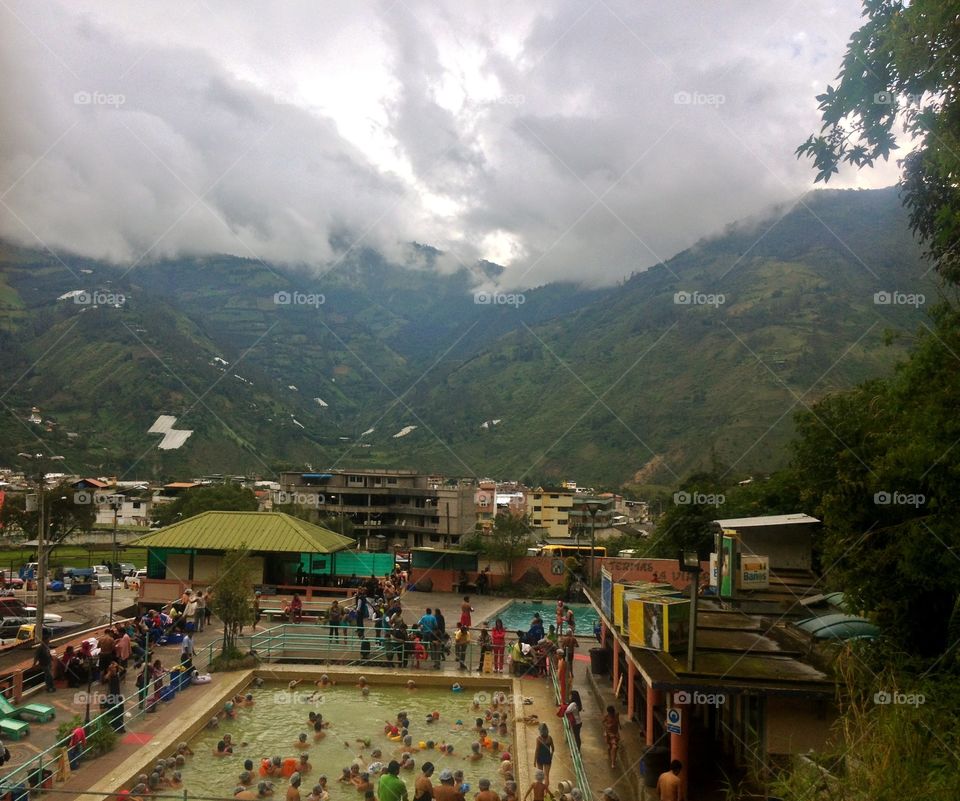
(578, 770)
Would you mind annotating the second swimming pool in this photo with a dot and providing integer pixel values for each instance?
(519, 614)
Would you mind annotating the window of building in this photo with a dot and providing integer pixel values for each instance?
(391, 481)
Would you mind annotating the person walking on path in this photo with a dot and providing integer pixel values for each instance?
(611, 733)
(572, 712)
(543, 755)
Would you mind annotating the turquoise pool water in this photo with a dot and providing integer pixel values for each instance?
(519, 614)
(272, 725)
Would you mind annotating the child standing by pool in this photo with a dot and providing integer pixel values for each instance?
(538, 788)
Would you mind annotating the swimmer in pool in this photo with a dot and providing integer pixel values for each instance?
(301, 742)
(362, 783)
(345, 777)
(222, 749)
(304, 766)
(475, 755)
(318, 732)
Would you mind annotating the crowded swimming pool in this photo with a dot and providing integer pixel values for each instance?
(354, 733)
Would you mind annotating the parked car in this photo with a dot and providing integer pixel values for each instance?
(11, 581)
(133, 582)
(105, 581)
(124, 569)
(98, 569)
(14, 607)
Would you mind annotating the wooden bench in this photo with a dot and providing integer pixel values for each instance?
(312, 610)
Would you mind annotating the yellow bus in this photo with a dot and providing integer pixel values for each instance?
(579, 551)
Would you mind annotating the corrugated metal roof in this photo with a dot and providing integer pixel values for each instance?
(274, 532)
(767, 520)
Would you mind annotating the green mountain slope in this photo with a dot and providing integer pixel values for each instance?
(639, 388)
(609, 386)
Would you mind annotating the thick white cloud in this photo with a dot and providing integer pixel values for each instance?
(576, 141)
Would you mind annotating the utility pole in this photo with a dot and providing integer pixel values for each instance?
(41, 538)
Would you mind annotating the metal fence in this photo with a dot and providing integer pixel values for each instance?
(578, 770)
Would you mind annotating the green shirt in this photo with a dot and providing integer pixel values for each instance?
(391, 788)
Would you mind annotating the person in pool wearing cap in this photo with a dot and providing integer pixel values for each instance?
(293, 791)
(486, 794)
(445, 791)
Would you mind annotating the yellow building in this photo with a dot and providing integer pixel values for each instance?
(549, 510)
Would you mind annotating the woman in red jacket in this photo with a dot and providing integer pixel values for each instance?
(499, 638)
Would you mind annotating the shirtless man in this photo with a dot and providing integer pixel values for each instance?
(293, 791)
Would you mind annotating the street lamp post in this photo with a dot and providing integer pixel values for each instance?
(593, 507)
(115, 503)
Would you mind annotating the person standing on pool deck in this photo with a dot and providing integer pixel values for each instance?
(498, 636)
(572, 712)
(465, 610)
(441, 633)
(391, 786)
(428, 631)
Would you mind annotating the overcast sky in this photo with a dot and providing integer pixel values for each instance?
(565, 139)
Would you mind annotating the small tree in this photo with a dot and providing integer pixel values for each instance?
(232, 594)
(508, 539)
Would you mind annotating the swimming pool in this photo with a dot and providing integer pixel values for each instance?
(271, 727)
(519, 614)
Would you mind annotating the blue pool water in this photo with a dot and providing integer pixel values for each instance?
(519, 614)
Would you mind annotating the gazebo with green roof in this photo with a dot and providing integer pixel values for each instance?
(278, 544)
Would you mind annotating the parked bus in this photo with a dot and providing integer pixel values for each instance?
(580, 551)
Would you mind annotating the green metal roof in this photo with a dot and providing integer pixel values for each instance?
(274, 532)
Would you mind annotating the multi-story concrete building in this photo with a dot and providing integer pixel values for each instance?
(401, 508)
(549, 510)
